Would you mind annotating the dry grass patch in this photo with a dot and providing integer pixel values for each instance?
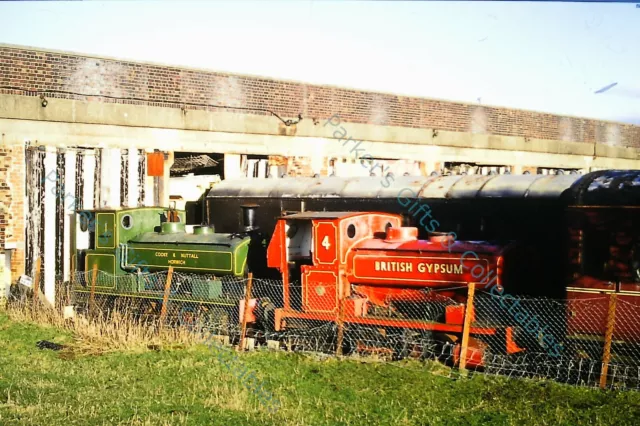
(113, 331)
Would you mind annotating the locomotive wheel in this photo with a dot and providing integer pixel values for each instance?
(265, 315)
(149, 309)
(216, 320)
(368, 341)
(417, 344)
(188, 316)
(444, 345)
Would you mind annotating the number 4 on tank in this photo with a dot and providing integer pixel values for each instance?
(325, 242)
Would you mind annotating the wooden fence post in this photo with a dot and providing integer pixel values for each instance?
(466, 326)
(340, 327)
(92, 293)
(165, 298)
(245, 315)
(606, 354)
(36, 286)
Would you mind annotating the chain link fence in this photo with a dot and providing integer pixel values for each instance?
(590, 341)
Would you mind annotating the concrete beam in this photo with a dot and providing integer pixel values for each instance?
(142, 116)
(68, 134)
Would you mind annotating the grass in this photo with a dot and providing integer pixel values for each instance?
(134, 386)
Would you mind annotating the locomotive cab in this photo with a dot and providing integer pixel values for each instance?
(310, 250)
(99, 234)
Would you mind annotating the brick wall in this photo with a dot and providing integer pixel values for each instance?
(12, 225)
(162, 85)
(303, 166)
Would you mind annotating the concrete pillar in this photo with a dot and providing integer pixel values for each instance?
(88, 168)
(262, 169)
(149, 188)
(232, 169)
(88, 173)
(163, 184)
(69, 207)
(317, 163)
(149, 192)
(132, 165)
(430, 167)
(5, 273)
(110, 178)
(49, 271)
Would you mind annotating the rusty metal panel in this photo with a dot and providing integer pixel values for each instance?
(330, 187)
(404, 186)
(245, 187)
(469, 186)
(293, 187)
(439, 187)
(362, 187)
(299, 187)
(551, 186)
(508, 186)
(226, 188)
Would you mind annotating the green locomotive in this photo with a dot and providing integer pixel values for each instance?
(128, 245)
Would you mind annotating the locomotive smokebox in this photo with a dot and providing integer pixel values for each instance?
(249, 217)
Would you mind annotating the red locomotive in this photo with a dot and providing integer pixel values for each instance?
(366, 269)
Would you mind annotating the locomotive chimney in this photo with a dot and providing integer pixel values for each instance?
(249, 216)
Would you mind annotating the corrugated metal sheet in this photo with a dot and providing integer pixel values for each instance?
(189, 164)
(449, 187)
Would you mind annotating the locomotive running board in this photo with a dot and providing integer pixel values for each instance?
(281, 314)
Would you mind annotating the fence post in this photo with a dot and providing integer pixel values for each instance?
(247, 299)
(606, 354)
(165, 298)
(466, 326)
(92, 293)
(36, 286)
(340, 327)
